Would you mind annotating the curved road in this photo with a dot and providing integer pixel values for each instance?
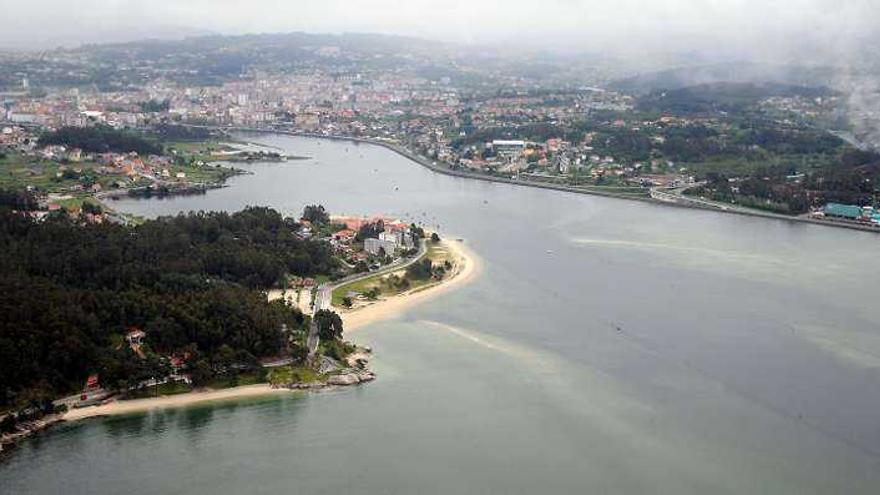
(324, 294)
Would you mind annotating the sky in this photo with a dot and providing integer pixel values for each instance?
(824, 29)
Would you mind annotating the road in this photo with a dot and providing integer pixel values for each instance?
(324, 292)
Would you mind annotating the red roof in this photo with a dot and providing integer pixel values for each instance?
(92, 381)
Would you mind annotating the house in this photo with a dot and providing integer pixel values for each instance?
(91, 388)
(135, 338)
(177, 363)
(508, 148)
(374, 246)
(344, 236)
(388, 242)
(92, 383)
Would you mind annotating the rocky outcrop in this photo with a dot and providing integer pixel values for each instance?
(338, 374)
(26, 429)
(351, 377)
(327, 364)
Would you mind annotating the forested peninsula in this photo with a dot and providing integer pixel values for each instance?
(190, 288)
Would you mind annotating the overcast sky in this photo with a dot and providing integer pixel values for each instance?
(771, 28)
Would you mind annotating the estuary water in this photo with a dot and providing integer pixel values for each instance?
(608, 346)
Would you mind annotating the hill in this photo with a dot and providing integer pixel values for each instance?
(681, 77)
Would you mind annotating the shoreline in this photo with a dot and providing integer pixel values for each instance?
(120, 407)
(400, 150)
(468, 267)
(117, 407)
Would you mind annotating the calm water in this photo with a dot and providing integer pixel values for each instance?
(608, 347)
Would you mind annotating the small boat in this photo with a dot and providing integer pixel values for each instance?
(549, 251)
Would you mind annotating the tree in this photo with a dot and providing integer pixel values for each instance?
(420, 270)
(201, 373)
(101, 139)
(370, 230)
(316, 214)
(416, 231)
(92, 208)
(329, 325)
(192, 282)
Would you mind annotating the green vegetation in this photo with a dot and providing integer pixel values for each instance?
(183, 133)
(155, 106)
(236, 379)
(193, 282)
(169, 388)
(101, 139)
(316, 214)
(430, 268)
(720, 97)
(18, 171)
(285, 375)
(853, 178)
(329, 325)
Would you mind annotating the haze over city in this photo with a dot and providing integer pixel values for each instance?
(769, 30)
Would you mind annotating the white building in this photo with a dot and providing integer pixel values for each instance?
(383, 244)
(508, 147)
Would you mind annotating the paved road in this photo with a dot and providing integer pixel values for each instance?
(324, 292)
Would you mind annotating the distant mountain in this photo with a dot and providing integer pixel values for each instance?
(206, 60)
(744, 72)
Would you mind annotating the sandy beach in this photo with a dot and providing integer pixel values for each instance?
(468, 267)
(117, 407)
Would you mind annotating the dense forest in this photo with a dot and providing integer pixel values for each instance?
(173, 132)
(70, 291)
(101, 139)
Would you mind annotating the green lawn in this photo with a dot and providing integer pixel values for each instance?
(75, 203)
(164, 389)
(252, 378)
(738, 166)
(204, 151)
(18, 171)
(285, 375)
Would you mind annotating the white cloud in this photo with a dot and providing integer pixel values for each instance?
(773, 27)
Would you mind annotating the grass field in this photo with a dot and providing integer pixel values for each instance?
(743, 166)
(18, 171)
(252, 378)
(163, 389)
(284, 375)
